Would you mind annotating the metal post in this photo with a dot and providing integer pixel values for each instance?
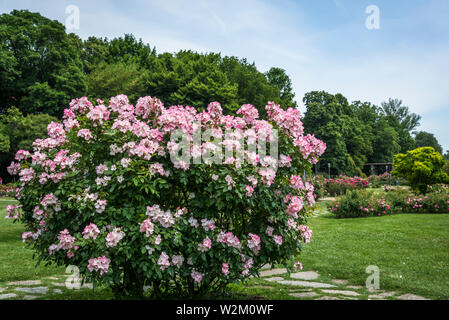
(329, 169)
(389, 177)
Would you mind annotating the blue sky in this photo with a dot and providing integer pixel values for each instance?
(323, 44)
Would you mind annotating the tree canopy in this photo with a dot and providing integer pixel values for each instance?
(359, 132)
(427, 139)
(18, 132)
(40, 67)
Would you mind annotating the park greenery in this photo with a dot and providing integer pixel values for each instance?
(42, 68)
(422, 167)
(97, 187)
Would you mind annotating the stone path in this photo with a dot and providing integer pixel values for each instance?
(45, 288)
(305, 285)
(315, 287)
(318, 211)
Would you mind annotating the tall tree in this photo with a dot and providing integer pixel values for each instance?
(278, 78)
(426, 139)
(404, 122)
(108, 80)
(332, 119)
(40, 68)
(18, 132)
(190, 78)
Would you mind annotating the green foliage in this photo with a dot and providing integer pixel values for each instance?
(421, 167)
(186, 77)
(358, 133)
(359, 203)
(281, 81)
(158, 212)
(426, 139)
(18, 132)
(404, 122)
(192, 79)
(331, 119)
(40, 67)
(362, 203)
(108, 80)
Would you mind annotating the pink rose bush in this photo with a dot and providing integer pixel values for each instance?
(107, 191)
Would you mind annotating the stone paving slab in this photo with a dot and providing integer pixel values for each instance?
(381, 295)
(339, 281)
(7, 296)
(305, 275)
(304, 294)
(58, 284)
(343, 292)
(58, 291)
(25, 283)
(329, 298)
(274, 279)
(40, 290)
(2, 289)
(30, 297)
(308, 284)
(300, 290)
(268, 273)
(411, 297)
(354, 287)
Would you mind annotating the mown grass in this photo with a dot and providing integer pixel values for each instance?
(410, 250)
(16, 260)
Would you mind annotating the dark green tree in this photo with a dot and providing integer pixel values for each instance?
(40, 68)
(426, 139)
(108, 80)
(279, 79)
(402, 120)
(190, 78)
(18, 132)
(385, 143)
(332, 119)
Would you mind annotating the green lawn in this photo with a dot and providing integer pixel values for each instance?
(16, 261)
(411, 251)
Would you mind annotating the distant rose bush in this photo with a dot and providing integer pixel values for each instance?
(102, 193)
(363, 203)
(338, 186)
(360, 203)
